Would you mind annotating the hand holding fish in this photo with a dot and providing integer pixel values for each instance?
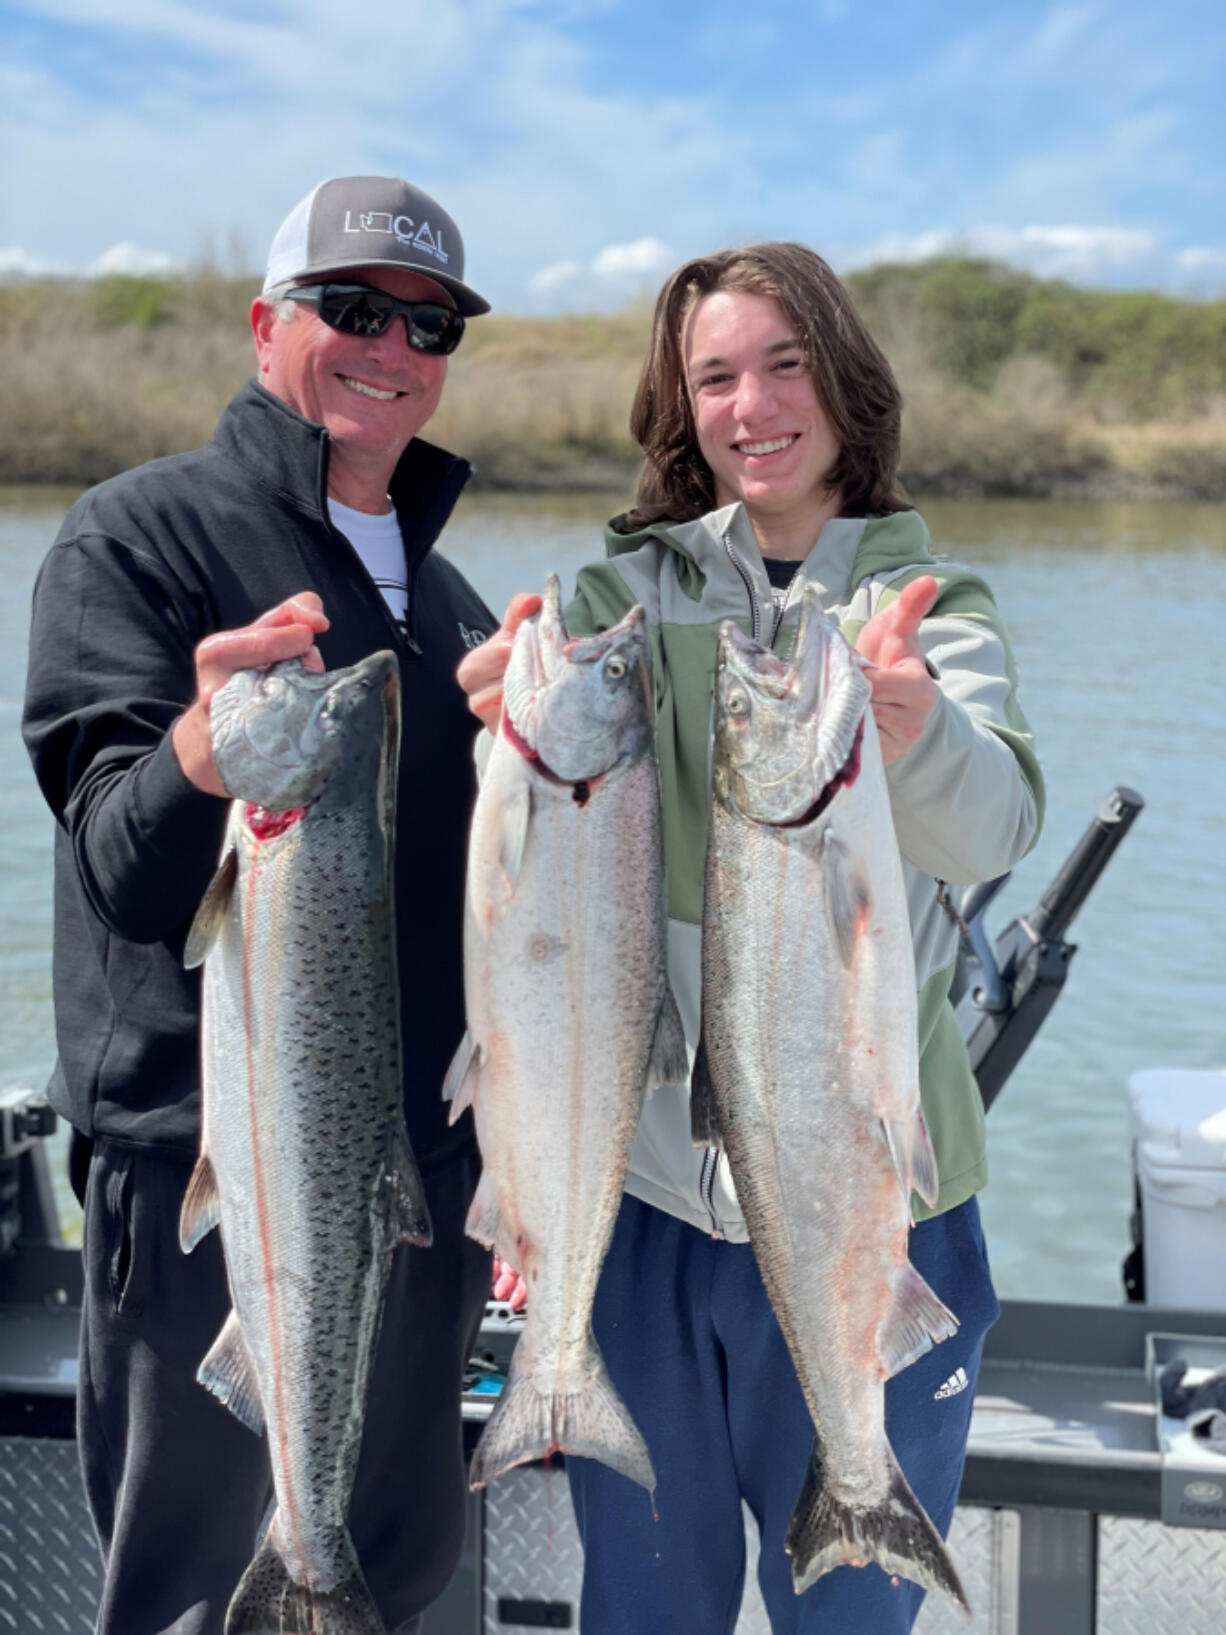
(509, 1285)
(903, 690)
(481, 671)
(284, 632)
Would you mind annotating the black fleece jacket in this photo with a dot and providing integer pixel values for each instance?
(145, 566)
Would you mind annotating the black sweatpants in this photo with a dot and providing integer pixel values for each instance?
(177, 1487)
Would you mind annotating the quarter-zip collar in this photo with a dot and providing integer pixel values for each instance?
(289, 454)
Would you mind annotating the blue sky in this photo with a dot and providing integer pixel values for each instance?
(585, 146)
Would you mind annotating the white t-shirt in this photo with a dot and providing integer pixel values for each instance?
(378, 542)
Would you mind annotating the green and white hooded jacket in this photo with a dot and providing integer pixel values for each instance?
(967, 799)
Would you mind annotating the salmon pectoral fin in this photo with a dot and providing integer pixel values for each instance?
(211, 914)
(704, 1115)
(460, 1085)
(911, 1149)
(591, 1422)
(849, 900)
(669, 1061)
(201, 1210)
(409, 1213)
(228, 1371)
(825, 1533)
(513, 833)
(267, 1598)
(916, 1321)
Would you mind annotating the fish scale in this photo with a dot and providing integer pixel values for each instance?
(570, 1018)
(808, 1075)
(305, 1164)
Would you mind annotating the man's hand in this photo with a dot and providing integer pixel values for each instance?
(285, 632)
(903, 690)
(508, 1284)
(481, 671)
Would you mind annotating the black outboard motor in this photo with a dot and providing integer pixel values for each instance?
(1007, 987)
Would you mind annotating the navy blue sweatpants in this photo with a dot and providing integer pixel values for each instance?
(693, 1346)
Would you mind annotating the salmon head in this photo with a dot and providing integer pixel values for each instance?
(289, 737)
(578, 707)
(787, 732)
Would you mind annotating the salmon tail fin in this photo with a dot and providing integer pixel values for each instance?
(897, 1534)
(267, 1598)
(591, 1423)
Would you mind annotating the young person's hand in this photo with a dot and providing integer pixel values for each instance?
(903, 690)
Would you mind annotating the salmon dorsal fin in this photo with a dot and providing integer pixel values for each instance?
(211, 914)
(911, 1149)
(916, 1321)
(229, 1373)
(201, 1210)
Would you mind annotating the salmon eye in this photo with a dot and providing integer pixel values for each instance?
(737, 704)
(615, 667)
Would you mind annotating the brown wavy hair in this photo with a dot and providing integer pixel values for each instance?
(855, 385)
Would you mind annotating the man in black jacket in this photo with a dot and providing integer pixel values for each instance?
(303, 529)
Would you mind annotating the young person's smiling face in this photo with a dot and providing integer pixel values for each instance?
(760, 426)
(374, 393)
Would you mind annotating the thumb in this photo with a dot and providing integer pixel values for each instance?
(912, 607)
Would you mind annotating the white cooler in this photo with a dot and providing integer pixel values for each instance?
(1179, 1138)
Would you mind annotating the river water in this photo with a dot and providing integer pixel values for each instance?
(1112, 609)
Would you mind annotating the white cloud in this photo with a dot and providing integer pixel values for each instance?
(15, 263)
(129, 258)
(640, 259)
(1081, 254)
(610, 278)
(555, 277)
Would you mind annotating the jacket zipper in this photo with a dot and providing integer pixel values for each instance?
(747, 581)
(706, 1187)
(786, 603)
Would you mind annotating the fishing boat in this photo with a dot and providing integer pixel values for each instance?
(1080, 1513)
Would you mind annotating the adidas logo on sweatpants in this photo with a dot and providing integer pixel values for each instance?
(956, 1382)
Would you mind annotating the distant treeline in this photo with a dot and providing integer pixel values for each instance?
(1012, 384)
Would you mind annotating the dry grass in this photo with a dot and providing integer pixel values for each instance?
(105, 376)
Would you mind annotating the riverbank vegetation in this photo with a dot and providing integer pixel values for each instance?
(1012, 384)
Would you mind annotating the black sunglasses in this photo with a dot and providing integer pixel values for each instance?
(357, 309)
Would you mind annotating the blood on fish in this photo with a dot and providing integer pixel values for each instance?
(266, 825)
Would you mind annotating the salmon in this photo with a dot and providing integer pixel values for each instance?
(807, 1074)
(305, 1162)
(570, 1017)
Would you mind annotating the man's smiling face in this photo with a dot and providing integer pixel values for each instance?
(372, 392)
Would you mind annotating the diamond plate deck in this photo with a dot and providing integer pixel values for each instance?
(1156, 1580)
(532, 1553)
(50, 1575)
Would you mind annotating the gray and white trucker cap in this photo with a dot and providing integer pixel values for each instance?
(371, 221)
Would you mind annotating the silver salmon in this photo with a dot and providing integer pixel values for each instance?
(808, 1076)
(304, 1162)
(570, 1016)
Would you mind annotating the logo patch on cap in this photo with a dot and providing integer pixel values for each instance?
(418, 235)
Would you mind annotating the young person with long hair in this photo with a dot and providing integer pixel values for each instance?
(769, 422)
